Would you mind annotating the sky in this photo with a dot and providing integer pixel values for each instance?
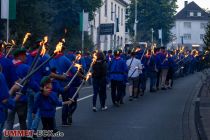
(202, 3)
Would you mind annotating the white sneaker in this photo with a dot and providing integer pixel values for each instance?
(104, 108)
(94, 109)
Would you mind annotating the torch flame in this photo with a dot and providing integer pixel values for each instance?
(25, 38)
(13, 42)
(94, 57)
(88, 75)
(78, 66)
(58, 47)
(44, 41)
(137, 49)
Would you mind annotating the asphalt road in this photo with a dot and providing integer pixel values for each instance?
(155, 116)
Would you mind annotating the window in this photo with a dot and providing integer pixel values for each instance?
(119, 13)
(115, 10)
(127, 11)
(122, 17)
(126, 28)
(201, 36)
(199, 14)
(203, 25)
(187, 24)
(187, 36)
(111, 11)
(191, 14)
(105, 8)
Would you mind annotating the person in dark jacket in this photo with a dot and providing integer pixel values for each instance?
(99, 81)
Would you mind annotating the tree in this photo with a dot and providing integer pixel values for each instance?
(51, 17)
(156, 14)
(207, 37)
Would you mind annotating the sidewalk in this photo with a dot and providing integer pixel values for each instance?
(204, 109)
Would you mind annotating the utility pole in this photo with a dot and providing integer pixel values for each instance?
(99, 36)
(136, 22)
(152, 35)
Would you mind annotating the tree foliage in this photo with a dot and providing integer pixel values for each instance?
(156, 14)
(207, 37)
(51, 17)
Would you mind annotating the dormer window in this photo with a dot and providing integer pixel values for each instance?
(199, 14)
(191, 14)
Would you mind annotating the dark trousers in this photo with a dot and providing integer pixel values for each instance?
(48, 124)
(116, 90)
(68, 110)
(158, 79)
(99, 87)
(153, 79)
(142, 81)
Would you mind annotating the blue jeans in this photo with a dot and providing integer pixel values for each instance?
(32, 124)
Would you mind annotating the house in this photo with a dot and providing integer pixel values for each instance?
(190, 24)
(107, 30)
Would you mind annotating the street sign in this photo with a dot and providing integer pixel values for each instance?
(107, 29)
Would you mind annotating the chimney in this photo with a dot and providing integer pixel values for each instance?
(185, 3)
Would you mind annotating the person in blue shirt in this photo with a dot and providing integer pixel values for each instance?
(46, 102)
(61, 63)
(7, 69)
(118, 70)
(21, 70)
(44, 71)
(164, 66)
(171, 70)
(5, 100)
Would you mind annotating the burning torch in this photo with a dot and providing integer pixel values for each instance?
(57, 50)
(25, 39)
(86, 77)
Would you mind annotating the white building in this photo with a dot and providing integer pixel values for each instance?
(110, 12)
(190, 26)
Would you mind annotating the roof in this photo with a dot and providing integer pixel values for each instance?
(192, 7)
(123, 2)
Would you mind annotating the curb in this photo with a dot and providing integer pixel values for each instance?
(188, 120)
(197, 118)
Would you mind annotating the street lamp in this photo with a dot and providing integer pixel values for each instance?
(152, 35)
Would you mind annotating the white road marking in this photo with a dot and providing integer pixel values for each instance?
(58, 108)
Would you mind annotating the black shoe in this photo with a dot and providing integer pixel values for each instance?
(130, 98)
(116, 104)
(69, 120)
(152, 90)
(121, 102)
(65, 124)
(163, 88)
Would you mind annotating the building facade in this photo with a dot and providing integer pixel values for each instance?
(111, 12)
(190, 26)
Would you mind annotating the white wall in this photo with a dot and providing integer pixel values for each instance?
(179, 30)
(107, 42)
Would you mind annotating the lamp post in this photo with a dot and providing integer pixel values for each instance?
(152, 35)
(136, 22)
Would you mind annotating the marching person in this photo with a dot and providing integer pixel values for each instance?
(118, 70)
(152, 70)
(5, 100)
(134, 69)
(47, 101)
(164, 66)
(99, 73)
(21, 70)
